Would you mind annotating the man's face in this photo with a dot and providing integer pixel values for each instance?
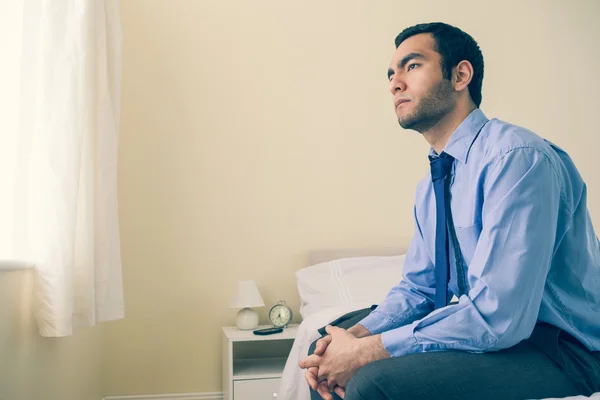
(421, 96)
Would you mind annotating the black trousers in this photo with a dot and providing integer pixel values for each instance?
(551, 363)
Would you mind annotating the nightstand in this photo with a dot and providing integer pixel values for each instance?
(252, 364)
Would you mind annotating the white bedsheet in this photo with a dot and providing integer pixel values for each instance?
(293, 385)
(595, 396)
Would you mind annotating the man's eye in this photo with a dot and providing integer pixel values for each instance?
(412, 65)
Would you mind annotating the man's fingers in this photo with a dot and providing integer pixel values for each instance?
(322, 375)
(314, 371)
(311, 377)
(340, 391)
(323, 390)
(322, 345)
(331, 383)
(310, 361)
(332, 330)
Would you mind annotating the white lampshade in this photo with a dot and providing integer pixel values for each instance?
(246, 295)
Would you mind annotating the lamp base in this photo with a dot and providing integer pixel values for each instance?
(246, 319)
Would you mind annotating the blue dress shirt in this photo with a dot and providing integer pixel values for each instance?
(529, 249)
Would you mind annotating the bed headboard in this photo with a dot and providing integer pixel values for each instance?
(319, 256)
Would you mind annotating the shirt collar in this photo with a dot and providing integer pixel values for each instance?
(463, 137)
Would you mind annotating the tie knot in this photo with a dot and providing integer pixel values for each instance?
(440, 166)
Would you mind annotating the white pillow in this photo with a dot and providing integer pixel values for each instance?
(356, 282)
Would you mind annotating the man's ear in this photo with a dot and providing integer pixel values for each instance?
(462, 75)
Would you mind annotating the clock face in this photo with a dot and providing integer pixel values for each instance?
(280, 315)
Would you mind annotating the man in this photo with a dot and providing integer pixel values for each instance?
(502, 223)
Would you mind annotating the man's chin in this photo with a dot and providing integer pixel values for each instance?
(408, 124)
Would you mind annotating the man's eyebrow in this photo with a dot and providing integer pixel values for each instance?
(404, 61)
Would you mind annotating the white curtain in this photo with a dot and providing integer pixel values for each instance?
(64, 219)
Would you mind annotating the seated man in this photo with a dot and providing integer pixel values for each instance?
(502, 223)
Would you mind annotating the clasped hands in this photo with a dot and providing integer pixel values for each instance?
(336, 359)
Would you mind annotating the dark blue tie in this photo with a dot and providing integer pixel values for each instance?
(440, 168)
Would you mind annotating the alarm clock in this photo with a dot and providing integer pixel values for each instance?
(280, 315)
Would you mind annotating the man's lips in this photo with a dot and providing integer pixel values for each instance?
(397, 102)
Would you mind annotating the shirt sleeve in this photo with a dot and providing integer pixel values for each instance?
(508, 271)
(413, 297)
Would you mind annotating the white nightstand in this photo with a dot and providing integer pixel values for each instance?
(252, 364)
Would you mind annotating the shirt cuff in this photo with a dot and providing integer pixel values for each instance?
(376, 322)
(401, 341)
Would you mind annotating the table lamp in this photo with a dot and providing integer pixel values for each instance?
(246, 296)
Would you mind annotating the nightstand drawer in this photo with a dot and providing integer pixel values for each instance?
(256, 389)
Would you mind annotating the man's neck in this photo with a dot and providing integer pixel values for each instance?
(439, 134)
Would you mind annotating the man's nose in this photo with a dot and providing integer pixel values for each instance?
(397, 85)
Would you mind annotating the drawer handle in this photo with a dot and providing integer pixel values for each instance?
(274, 395)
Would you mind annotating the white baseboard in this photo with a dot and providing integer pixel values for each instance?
(177, 396)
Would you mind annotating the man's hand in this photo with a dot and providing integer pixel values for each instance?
(325, 393)
(312, 372)
(343, 356)
(322, 344)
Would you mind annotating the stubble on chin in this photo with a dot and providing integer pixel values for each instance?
(414, 121)
(429, 110)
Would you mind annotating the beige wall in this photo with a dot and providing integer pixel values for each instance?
(37, 368)
(253, 131)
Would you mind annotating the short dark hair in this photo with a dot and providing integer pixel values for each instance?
(454, 46)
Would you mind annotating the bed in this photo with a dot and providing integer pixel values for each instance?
(334, 283)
